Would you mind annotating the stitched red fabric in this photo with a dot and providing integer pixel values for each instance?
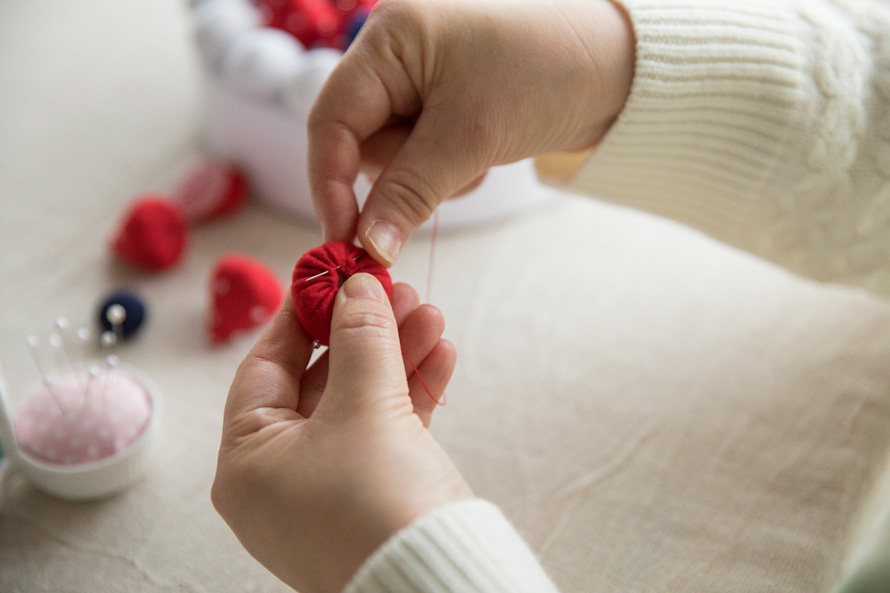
(317, 278)
(211, 190)
(153, 234)
(245, 294)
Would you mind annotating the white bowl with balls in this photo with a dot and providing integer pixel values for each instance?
(260, 83)
(86, 436)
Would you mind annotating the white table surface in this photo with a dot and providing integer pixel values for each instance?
(654, 411)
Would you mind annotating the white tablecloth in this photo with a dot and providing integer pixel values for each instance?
(654, 411)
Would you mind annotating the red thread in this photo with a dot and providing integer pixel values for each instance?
(429, 271)
(422, 382)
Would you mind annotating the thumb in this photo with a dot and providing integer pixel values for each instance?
(441, 156)
(365, 357)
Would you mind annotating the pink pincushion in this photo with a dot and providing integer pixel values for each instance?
(67, 428)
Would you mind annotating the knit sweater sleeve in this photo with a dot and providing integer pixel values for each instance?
(764, 123)
(467, 546)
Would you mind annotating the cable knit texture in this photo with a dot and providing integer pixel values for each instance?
(468, 546)
(765, 124)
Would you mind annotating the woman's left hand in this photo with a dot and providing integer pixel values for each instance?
(318, 467)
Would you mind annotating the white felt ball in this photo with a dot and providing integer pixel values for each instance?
(217, 23)
(300, 93)
(261, 62)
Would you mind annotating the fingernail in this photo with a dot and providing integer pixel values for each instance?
(362, 286)
(386, 239)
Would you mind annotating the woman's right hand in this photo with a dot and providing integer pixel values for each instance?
(433, 93)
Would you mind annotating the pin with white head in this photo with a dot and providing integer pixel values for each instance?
(59, 343)
(57, 349)
(82, 339)
(33, 343)
(93, 371)
(116, 316)
(111, 362)
(108, 341)
(63, 331)
(62, 324)
(83, 336)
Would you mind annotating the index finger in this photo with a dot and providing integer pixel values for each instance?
(367, 87)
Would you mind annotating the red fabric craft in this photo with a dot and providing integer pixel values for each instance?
(312, 22)
(245, 294)
(317, 278)
(153, 235)
(210, 190)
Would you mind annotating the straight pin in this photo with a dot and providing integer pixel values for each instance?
(111, 361)
(116, 315)
(320, 274)
(109, 341)
(83, 338)
(92, 374)
(59, 343)
(33, 347)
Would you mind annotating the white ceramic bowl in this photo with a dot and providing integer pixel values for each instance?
(104, 477)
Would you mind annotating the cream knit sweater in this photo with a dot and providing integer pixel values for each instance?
(764, 123)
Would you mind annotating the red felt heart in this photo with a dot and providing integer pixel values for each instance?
(317, 278)
(245, 294)
(153, 234)
(210, 190)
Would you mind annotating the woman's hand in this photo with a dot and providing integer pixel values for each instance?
(431, 94)
(317, 468)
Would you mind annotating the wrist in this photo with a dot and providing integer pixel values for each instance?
(607, 32)
(619, 71)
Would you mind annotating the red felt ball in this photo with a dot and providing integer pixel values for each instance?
(319, 275)
(245, 294)
(153, 234)
(210, 190)
(273, 12)
(310, 21)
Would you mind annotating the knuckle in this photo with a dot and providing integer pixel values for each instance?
(370, 323)
(399, 12)
(413, 198)
(396, 29)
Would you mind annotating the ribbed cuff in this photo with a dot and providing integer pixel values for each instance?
(467, 546)
(707, 120)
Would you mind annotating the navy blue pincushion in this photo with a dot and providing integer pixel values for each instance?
(135, 313)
